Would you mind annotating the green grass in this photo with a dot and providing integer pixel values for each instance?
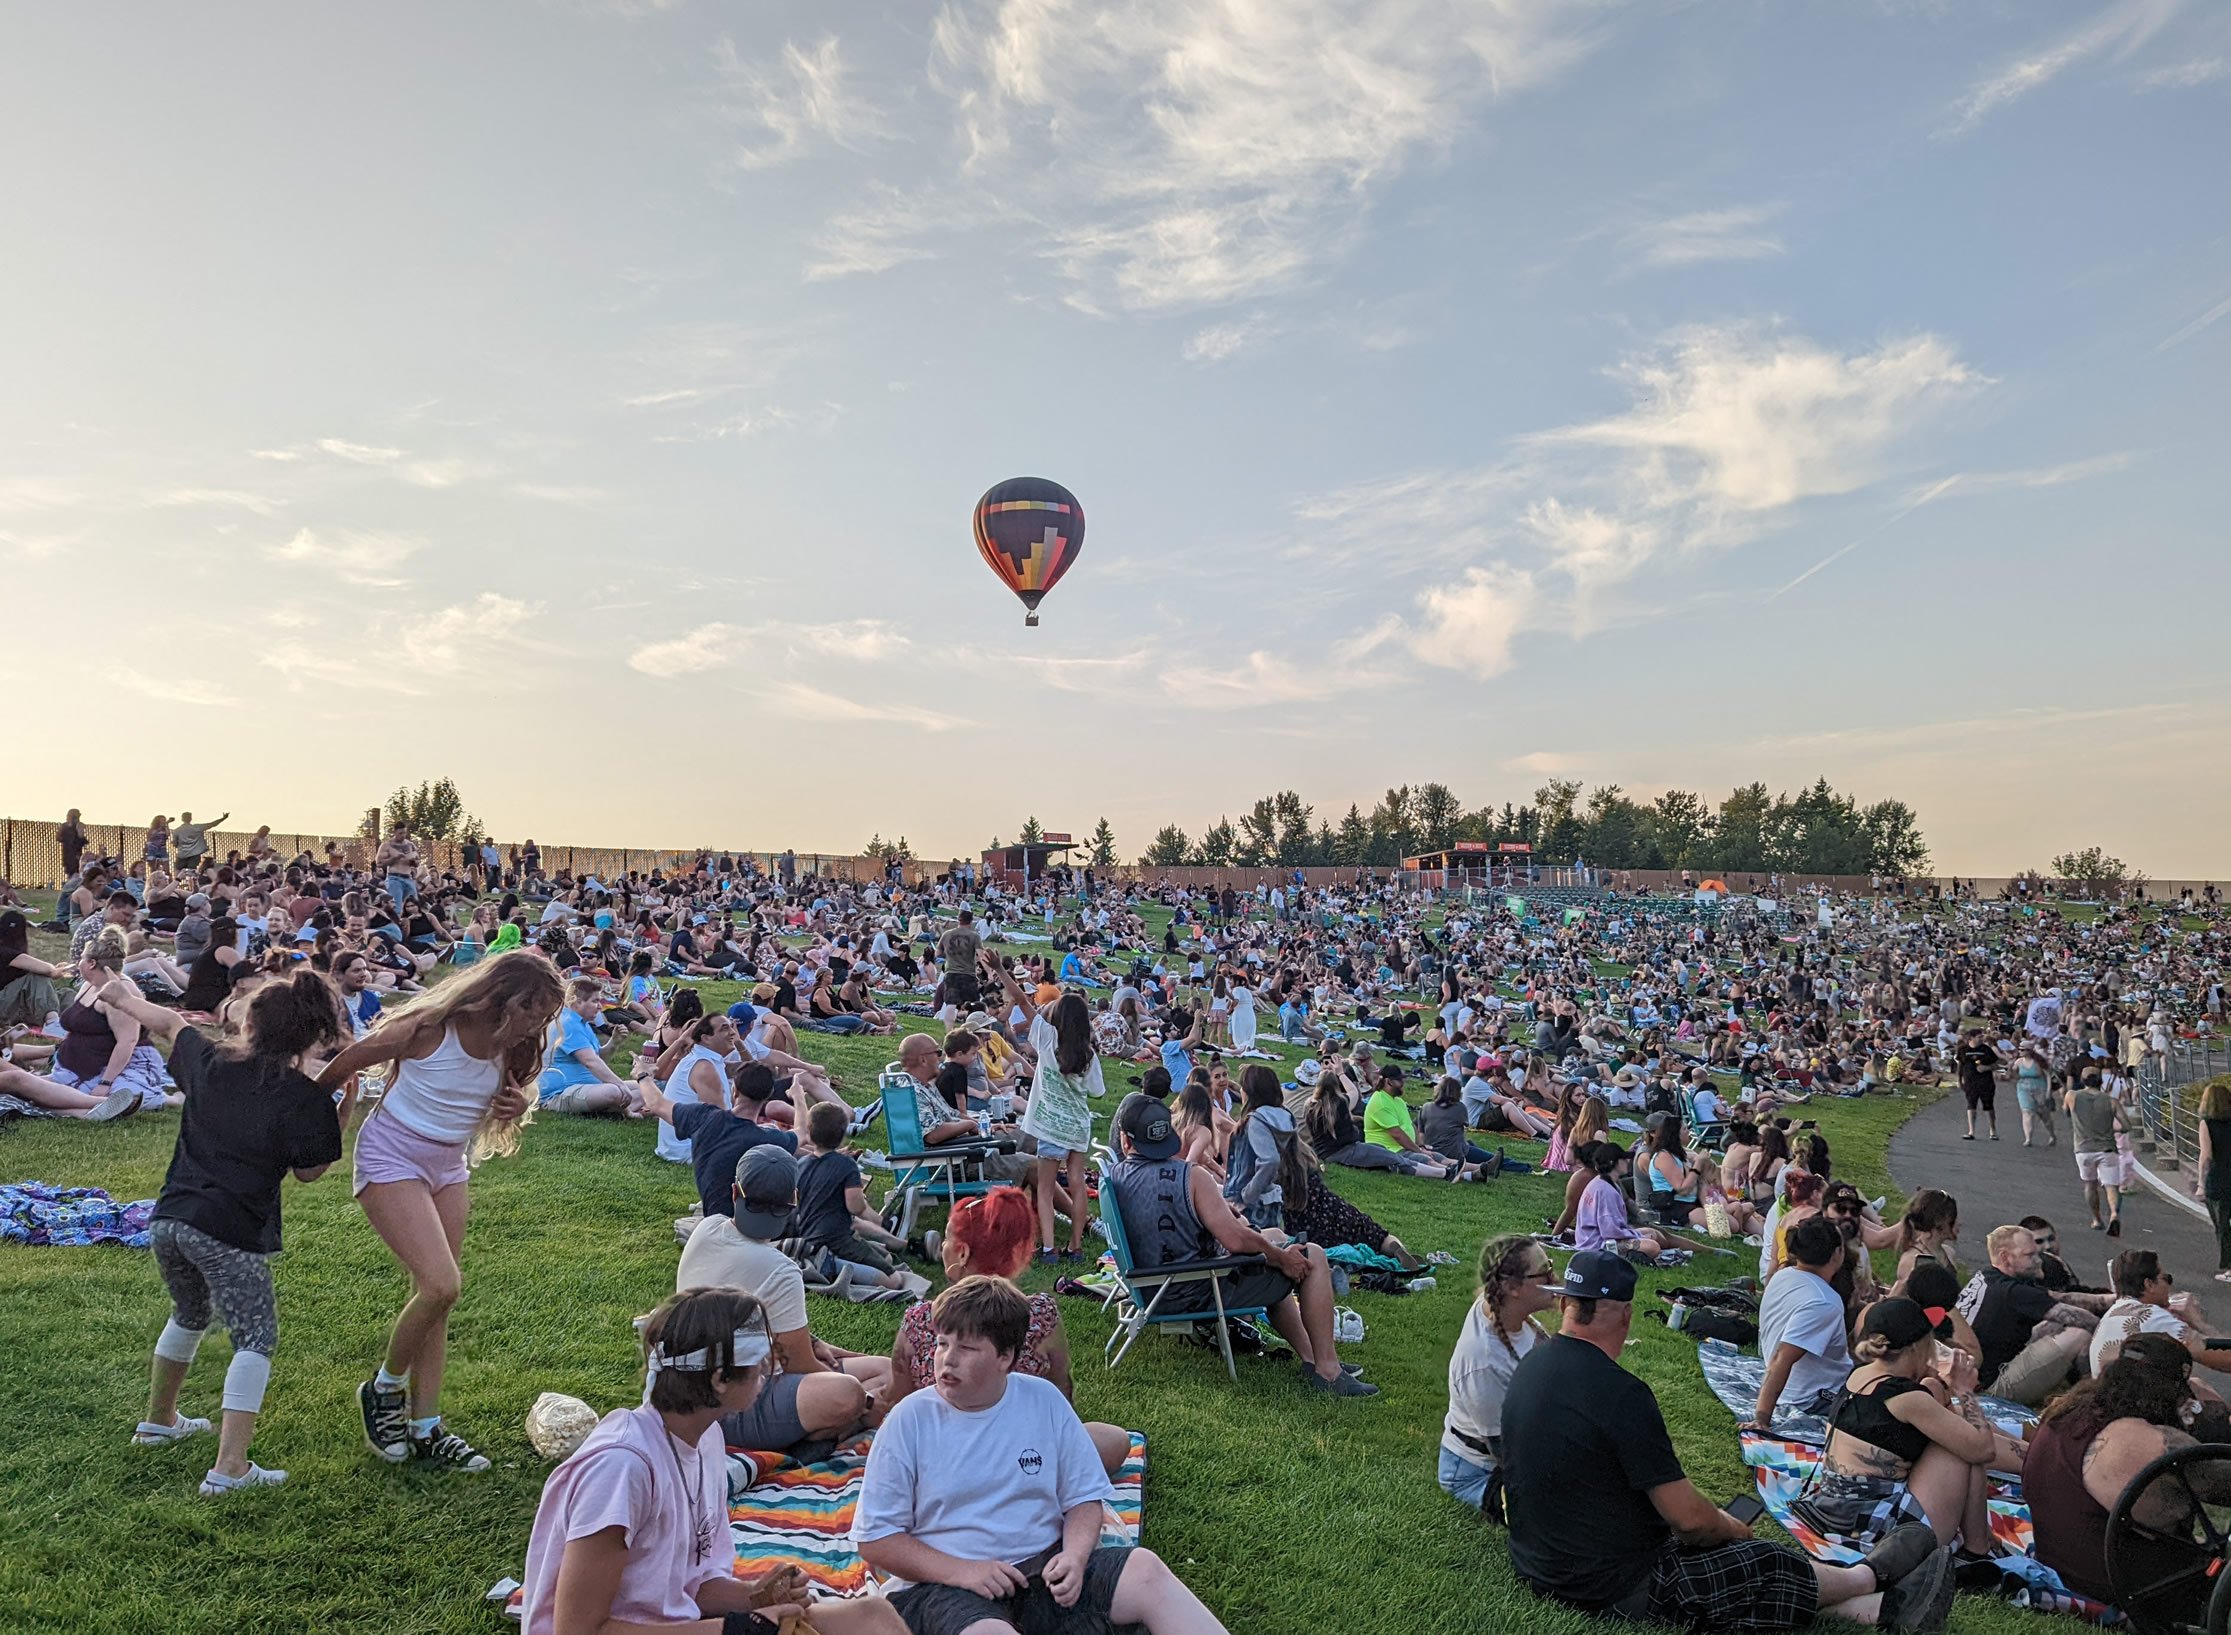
(1286, 1511)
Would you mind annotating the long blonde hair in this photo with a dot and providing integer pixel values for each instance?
(520, 981)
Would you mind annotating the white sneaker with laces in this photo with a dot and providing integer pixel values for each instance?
(217, 1481)
(148, 1434)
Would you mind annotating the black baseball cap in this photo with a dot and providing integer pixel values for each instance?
(1147, 1122)
(1900, 1322)
(1597, 1274)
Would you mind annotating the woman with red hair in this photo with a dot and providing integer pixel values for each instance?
(991, 1236)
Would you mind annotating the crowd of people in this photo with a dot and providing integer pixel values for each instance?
(269, 1000)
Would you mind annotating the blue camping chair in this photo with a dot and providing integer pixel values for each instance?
(1136, 1302)
(945, 1173)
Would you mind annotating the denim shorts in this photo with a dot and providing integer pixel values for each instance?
(1461, 1479)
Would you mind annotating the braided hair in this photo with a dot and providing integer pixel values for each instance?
(1503, 1268)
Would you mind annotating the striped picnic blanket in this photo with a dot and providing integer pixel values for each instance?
(786, 1514)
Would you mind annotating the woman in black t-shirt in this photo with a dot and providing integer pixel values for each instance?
(252, 1117)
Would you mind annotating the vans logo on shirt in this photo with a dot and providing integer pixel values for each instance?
(1032, 1461)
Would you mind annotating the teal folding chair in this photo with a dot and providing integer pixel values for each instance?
(1137, 1303)
(945, 1173)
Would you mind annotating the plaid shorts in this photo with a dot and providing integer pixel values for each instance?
(1857, 1511)
(1751, 1586)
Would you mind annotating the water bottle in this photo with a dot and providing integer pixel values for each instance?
(984, 1122)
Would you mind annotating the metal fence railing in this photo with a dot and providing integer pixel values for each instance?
(2166, 1110)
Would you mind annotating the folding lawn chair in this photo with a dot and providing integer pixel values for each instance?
(1136, 1304)
(945, 1173)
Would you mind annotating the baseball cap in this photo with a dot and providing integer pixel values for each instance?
(199, 899)
(766, 1191)
(1900, 1322)
(1147, 1122)
(1596, 1274)
(742, 1013)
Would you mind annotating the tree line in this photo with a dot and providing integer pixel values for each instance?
(1817, 830)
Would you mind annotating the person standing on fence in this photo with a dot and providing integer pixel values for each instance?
(192, 839)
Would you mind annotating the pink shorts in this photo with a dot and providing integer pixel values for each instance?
(387, 1150)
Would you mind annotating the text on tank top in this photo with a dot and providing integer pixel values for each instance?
(1156, 1198)
(445, 1095)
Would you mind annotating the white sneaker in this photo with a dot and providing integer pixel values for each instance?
(217, 1482)
(148, 1434)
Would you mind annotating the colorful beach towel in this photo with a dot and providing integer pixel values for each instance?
(786, 1514)
(1783, 1464)
(39, 1216)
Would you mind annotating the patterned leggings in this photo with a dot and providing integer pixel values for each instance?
(201, 1272)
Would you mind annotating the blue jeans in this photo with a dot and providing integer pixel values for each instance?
(402, 888)
(1461, 1479)
(838, 1024)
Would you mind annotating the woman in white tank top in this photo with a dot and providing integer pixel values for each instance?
(464, 1061)
(701, 1075)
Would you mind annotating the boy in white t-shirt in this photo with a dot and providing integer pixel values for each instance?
(983, 1497)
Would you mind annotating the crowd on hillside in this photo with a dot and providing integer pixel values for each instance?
(1664, 1055)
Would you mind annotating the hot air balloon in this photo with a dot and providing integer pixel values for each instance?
(1030, 531)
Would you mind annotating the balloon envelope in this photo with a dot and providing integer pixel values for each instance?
(1029, 530)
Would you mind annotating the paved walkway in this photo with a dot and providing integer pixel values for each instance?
(1998, 1182)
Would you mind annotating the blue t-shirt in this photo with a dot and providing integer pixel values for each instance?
(1179, 1064)
(1072, 968)
(717, 1138)
(564, 1072)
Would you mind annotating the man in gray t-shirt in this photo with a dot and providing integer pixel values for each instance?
(2098, 1160)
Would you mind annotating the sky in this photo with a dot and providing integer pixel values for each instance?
(587, 402)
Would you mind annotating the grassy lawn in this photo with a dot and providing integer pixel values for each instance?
(1288, 1512)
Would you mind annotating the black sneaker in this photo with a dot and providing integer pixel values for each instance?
(448, 1450)
(387, 1429)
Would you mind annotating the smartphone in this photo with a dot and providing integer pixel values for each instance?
(1745, 1508)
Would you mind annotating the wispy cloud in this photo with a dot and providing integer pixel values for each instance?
(1471, 625)
(886, 232)
(708, 647)
(801, 701)
(367, 560)
(719, 646)
(1727, 429)
(802, 98)
(1738, 233)
(2052, 476)
(467, 638)
(38, 494)
(1174, 153)
(362, 454)
(1219, 341)
(2185, 76)
(2118, 31)
(261, 505)
(172, 689)
(2212, 315)
(281, 454)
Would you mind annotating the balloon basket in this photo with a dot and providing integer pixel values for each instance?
(1030, 620)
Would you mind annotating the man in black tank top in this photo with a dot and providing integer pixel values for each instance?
(1173, 1213)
